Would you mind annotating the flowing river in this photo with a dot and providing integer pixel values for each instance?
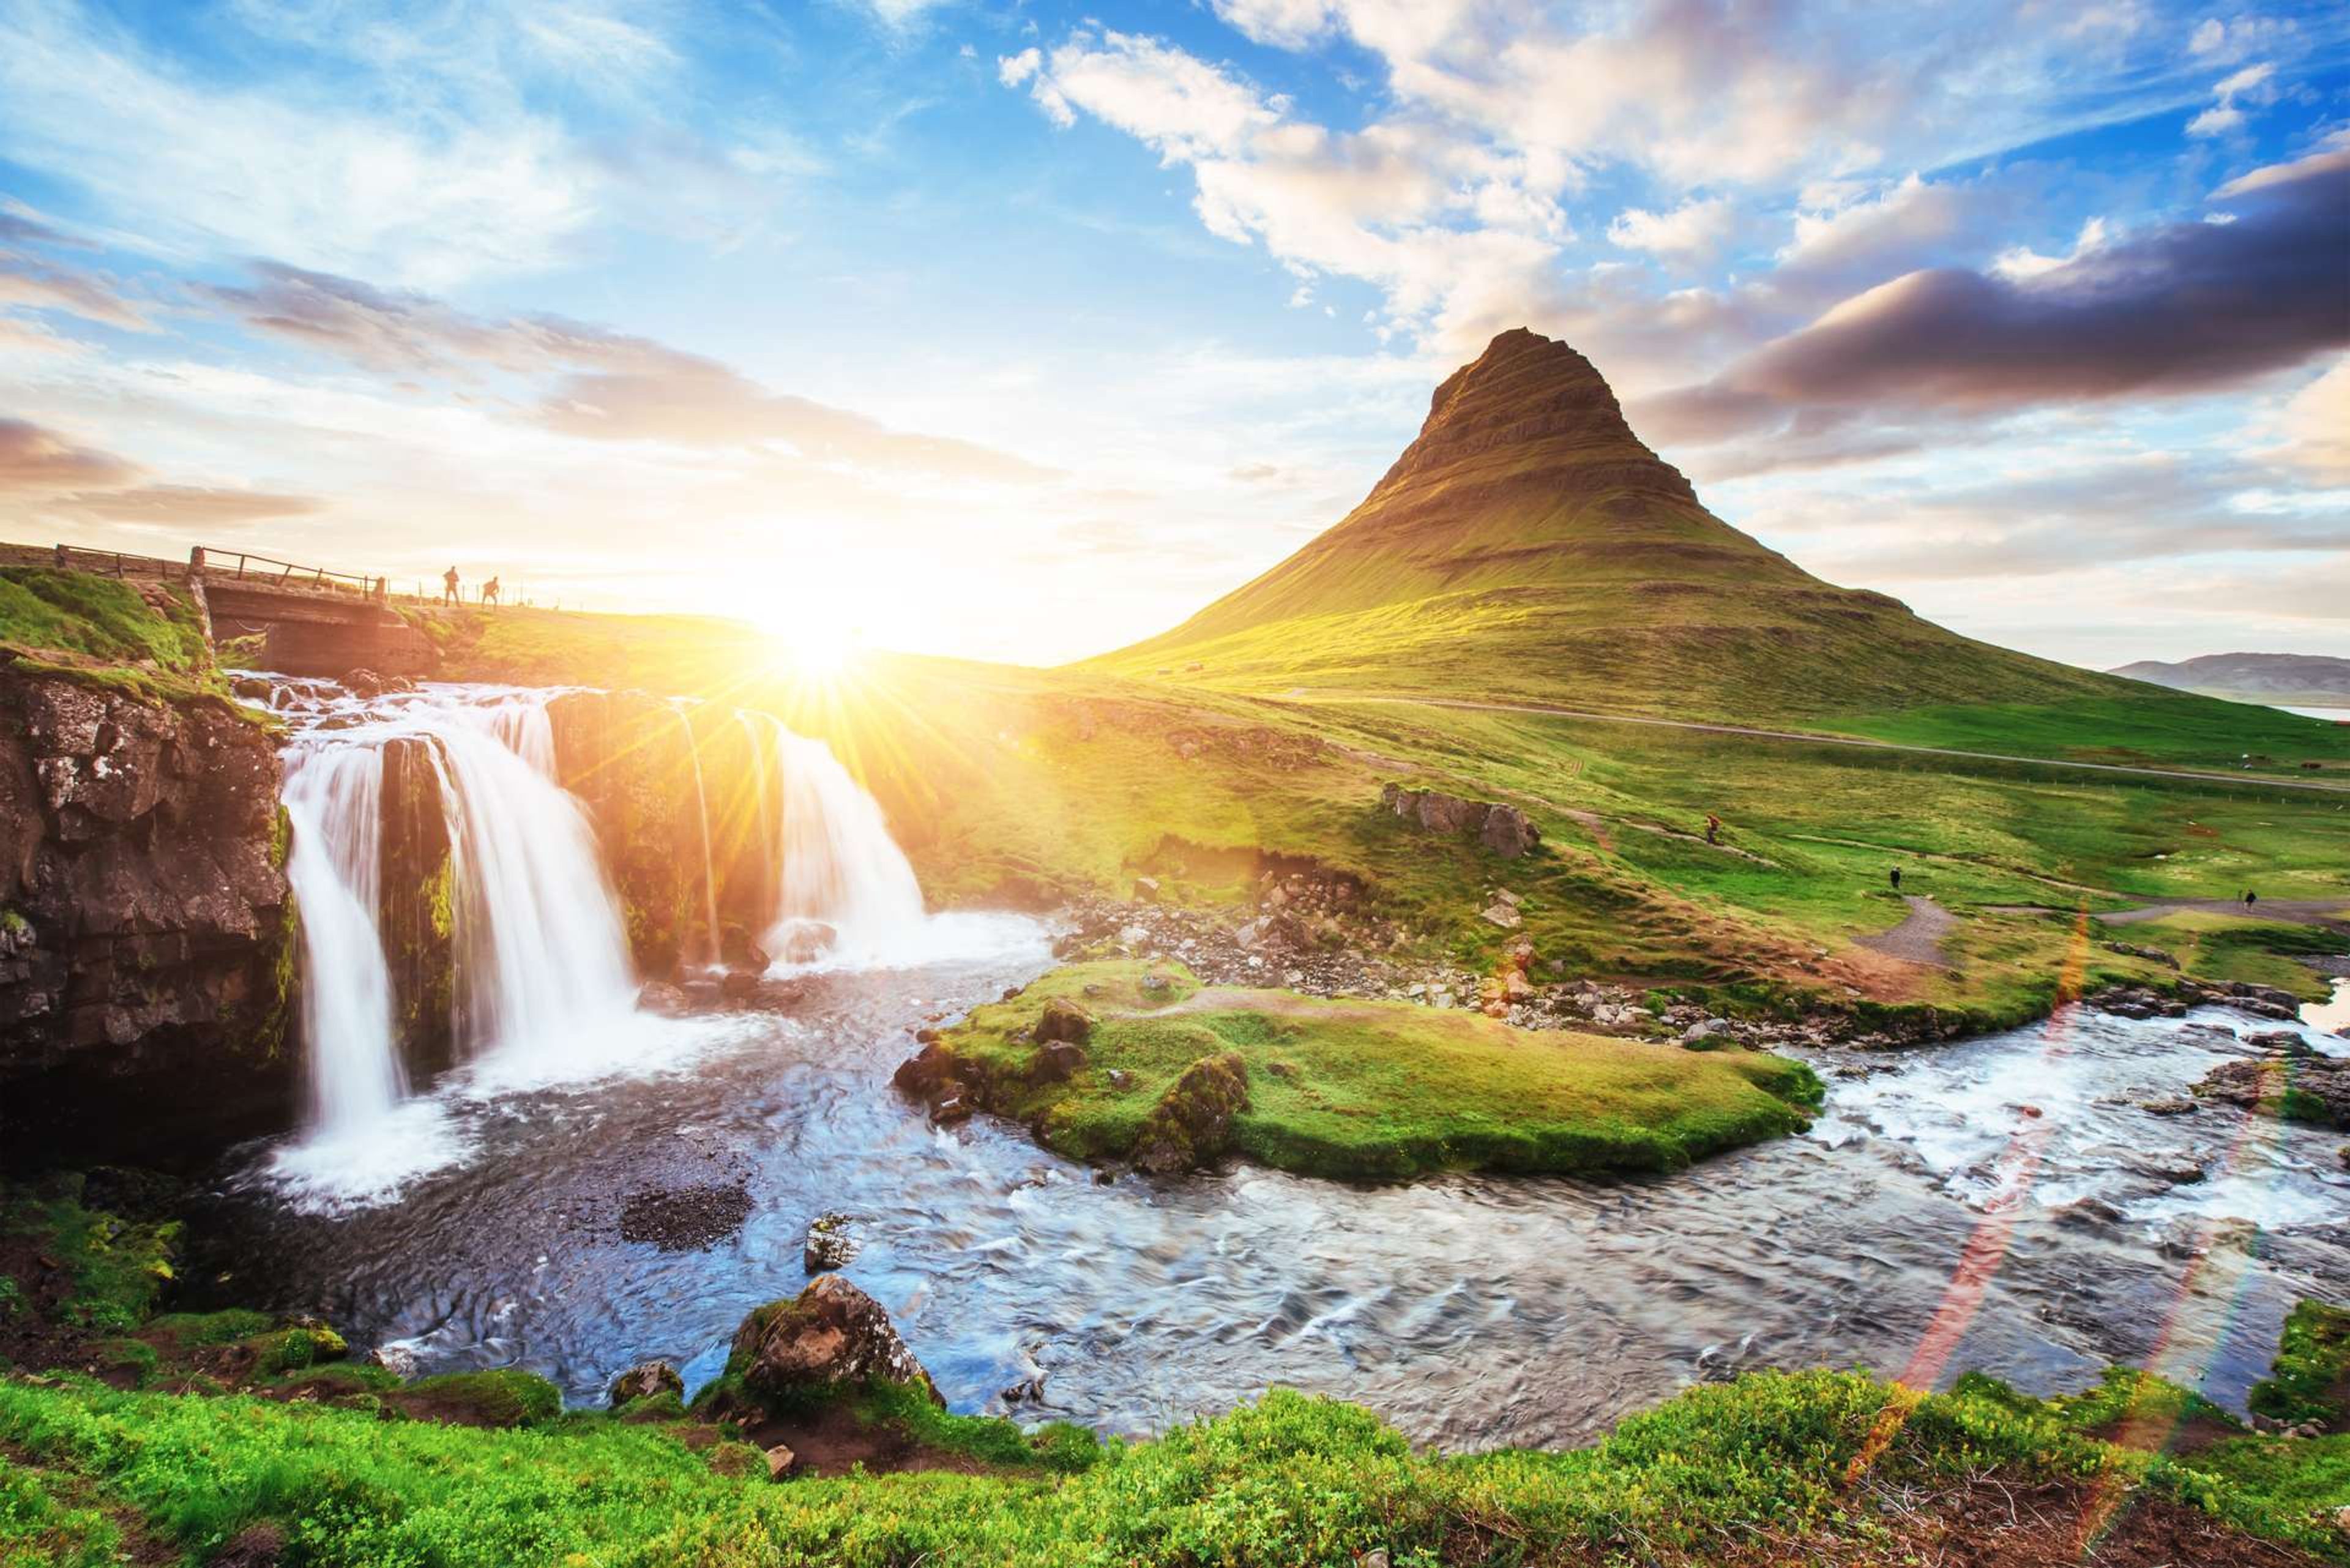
(480, 1223)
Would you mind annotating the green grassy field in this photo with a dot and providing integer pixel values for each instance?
(1372, 1089)
(99, 631)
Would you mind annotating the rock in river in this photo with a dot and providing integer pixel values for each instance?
(831, 1333)
(645, 1380)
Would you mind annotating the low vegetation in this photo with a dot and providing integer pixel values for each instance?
(1352, 1089)
(103, 632)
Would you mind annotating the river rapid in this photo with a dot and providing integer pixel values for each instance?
(1471, 1312)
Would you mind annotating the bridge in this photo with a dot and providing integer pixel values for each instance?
(311, 621)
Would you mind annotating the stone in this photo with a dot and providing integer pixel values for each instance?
(2307, 1088)
(737, 951)
(924, 1073)
(1508, 832)
(1191, 1124)
(1145, 889)
(1064, 1020)
(804, 942)
(1502, 914)
(2172, 1106)
(780, 1460)
(739, 985)
(829, 1336)
(951, 1107)
(645, 1380)
(828, 1245)
(1057, 1062)
(1707, 1029)
(395, 1359)
(663, 1000)
(2281, 1043)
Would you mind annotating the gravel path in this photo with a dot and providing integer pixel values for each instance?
(1919, 938)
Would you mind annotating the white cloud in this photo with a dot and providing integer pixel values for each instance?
(1177, 102)
(1288, 23)
(424, 196)
(1695, 230)
(2254, 85)
(1014, 69)
(2020, 262)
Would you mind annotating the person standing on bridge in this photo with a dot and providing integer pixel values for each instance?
(449, 588)
(490, 592)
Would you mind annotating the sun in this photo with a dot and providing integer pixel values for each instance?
(812, 640)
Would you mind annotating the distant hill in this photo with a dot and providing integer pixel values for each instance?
(2296, 680)
(1529, 544)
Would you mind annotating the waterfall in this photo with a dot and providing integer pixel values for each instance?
(840, 867)
(701, 803)
(334, 800)
(758, 755)
(541, 955)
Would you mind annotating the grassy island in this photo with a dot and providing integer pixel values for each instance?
(1376, 1090)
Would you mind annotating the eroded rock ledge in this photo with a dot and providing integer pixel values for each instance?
(146, 932)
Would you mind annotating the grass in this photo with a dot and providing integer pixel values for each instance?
(2228, 947)
(2311, 1379)
(1372, 1089)
(99, 631)
(1289, 1479)
(113, 1269)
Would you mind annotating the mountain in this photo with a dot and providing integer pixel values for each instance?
(2298, 679)
(1528, 544)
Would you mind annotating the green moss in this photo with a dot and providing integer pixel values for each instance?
(439, 905)
(293, 1349)
(499, 1396)
(1370, 1090)
(2311, 1379)
(118, 1268)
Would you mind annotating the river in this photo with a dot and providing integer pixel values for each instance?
(1473, 1312)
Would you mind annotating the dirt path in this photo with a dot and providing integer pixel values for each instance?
(2261, 780)
(2332, 913)
(1917, 940)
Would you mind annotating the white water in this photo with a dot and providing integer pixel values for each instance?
(545, 986)
(542, 959)
(334, 798)
(840, 867)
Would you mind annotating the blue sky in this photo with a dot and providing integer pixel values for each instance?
(1021, 331)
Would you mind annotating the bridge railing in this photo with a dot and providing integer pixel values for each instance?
(270, 572)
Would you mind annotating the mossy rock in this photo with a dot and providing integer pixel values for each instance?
(1191, 1126)
(501, 1397)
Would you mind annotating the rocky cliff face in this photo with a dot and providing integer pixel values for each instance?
(147, 935)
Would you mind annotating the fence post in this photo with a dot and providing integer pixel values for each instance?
(61, 557)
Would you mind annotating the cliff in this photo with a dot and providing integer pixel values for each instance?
(147, 935)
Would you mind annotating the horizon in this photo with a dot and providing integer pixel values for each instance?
(1049, 332)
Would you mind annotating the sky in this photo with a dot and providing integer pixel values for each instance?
(1022, 330)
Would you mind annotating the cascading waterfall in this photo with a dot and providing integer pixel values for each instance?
(334, 798)
(541, 955)
(757, 752)
(702, 804)
(840, 867)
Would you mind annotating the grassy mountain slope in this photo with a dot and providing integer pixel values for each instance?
(1529, 546)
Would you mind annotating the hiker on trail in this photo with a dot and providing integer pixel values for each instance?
(490, 592)
(1896, 879)
(2251, 898)
(1713, 828)
(449, 587)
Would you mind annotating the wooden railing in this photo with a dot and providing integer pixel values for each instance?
(267, 572)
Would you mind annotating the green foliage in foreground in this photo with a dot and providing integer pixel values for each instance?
(2310, 1380)
(100, 632)
(1291, 1479)
(115, 1267)
(1375, 1089)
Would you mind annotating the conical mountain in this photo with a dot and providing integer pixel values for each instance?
(1529, 544)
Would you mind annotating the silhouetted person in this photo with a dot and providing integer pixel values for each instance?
(1896, 879)
(1713, 828)
(490, 592)
(449, 588)
(2251, 898)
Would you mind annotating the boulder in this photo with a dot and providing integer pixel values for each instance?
(804, 942)
(1192, 1125)
(739, 985)
(1057, 1062)
(831, 1335)
(645, 1380)
(1508, 832)
(1145, 889)
(737, 951)
(663, 1000)
(1064, 1020)
(828, 1245)
(2301, 1088)
(1502, 913)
